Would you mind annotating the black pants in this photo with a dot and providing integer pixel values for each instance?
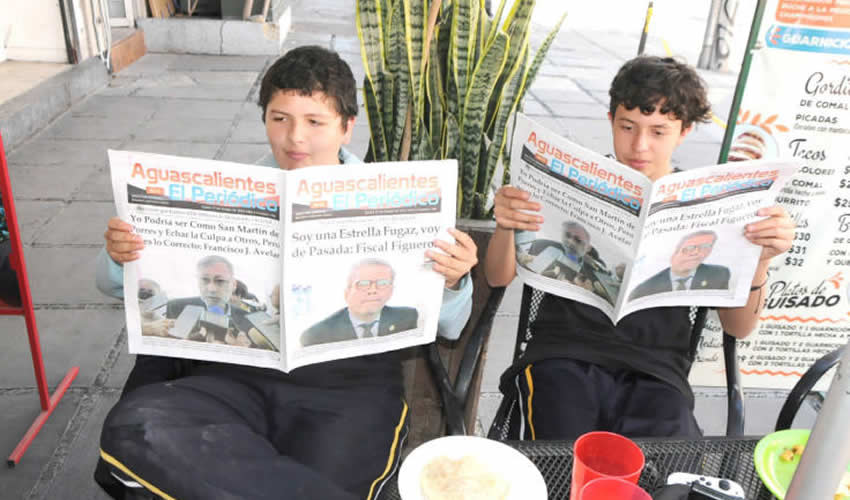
(225, 432)
(146, 370)
(565, 398)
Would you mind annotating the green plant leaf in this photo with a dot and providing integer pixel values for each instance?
(474, 113)
(517, 28)
(435, 99)
(481, 36)
(473, 55)
(415, 13)
(507, 103)
(401, 101)
(387, 105)
(494, 25)
(464, 23)
(444, 41)
(422, 149)
(541, 55)
(452, 139)
(385, 6)
(386, 20)
(519, 15)
(370, 33)
(477, 205)
(396, 49)
(444, 36)
(452, 150)
(377, 139)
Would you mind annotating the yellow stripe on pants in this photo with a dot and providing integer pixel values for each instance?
(393, 452)
(528, 404)
(114, 462)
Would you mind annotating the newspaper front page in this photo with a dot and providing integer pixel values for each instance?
(211, 284)
(613, 239)
(203, 222)
(354, 241)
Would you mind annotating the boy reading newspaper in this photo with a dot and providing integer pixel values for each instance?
(631, 378)
(333, 430)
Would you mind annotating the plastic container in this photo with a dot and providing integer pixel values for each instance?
(604, 454)
(609, 488)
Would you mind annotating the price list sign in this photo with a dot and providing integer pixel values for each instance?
(796, 105)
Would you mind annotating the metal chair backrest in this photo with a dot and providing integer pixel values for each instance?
(804, 386)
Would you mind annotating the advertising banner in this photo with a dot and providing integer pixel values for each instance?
(796, 106)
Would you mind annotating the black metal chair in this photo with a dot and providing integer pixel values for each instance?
(455, 396)
(505, 425)
(804, 386)
(452, 379)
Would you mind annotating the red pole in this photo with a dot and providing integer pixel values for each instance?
(17, 263)
(48, 402)
(40, 420)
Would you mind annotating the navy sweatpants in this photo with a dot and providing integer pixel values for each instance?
(147, 370)
(225, 432)
(565, 398)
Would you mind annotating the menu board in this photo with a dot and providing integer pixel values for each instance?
(796, 105)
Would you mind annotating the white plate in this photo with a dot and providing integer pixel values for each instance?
(526, 481)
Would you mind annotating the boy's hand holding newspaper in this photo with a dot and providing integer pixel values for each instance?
(122, 244)
(774, 234)
(457, 260)
(510, 206)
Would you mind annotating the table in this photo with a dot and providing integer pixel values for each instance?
(731, 458)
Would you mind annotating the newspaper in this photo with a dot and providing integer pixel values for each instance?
(280, 269)
(615, 240)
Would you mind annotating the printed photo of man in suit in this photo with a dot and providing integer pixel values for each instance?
(369, 288)
(215, 287)
(687, 271)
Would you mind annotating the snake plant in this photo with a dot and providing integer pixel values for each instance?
(442, 80)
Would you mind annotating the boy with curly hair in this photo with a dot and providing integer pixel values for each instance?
(580, 372)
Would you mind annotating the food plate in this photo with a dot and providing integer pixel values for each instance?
(506, 462)
(774, 472)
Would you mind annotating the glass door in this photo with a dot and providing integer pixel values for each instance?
(120, 12)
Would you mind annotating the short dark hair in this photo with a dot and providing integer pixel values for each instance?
(645, 81)
(311, 69)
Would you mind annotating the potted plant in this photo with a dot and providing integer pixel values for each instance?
(443, 80)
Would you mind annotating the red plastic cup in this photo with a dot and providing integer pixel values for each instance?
(607, 488)
(604, 454)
